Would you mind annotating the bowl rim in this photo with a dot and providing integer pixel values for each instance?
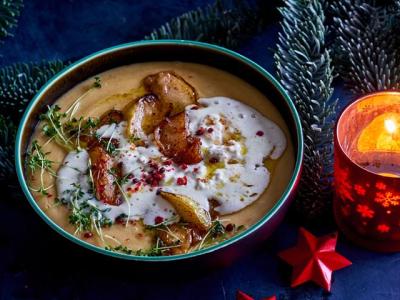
(272, 212)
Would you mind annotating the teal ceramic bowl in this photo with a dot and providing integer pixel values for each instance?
(170, 50)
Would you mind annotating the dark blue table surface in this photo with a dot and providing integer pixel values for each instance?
(36, 263)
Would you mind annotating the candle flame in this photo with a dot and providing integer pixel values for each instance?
(382, 134)
(390, 126)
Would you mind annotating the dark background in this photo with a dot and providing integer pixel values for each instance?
(36, 263)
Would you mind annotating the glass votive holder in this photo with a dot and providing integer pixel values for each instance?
(367, 172)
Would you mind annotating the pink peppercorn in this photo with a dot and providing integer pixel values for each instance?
(260, 133)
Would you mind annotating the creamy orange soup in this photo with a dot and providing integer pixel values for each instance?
(245, 160)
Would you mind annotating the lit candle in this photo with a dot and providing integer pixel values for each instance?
(367, 171)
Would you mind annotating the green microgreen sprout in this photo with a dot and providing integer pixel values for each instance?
(156, 250)
(216, 233)
(37, 160)
(75, 105)
(119, 181)
(53, 127)
(84, 215)
(63, 127)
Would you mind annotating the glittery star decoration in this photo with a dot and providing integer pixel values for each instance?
(314, 259)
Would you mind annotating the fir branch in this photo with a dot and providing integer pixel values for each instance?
(20, 82)
(366, 46)
(225, 23)
(7, 140)
(304, 68)
(9, 13)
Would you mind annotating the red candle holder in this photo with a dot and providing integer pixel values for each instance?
(367, 172)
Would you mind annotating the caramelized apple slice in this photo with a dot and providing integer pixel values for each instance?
(172, 89)
(180, 238)
(103, 180)
(144, 115)
(188, 210)
(174, 140)
(177, 237)
(112, 116)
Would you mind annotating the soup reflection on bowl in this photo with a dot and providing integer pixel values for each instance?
(160, 157)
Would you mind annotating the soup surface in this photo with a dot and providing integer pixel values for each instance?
(159, 158)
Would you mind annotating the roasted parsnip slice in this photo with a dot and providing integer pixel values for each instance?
(188, 210)
(175, 141)
(171, 89)
(144, 115)
(103, 180)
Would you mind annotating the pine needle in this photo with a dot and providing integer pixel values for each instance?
(7, 140)
(226, 23)
(20, 82)
(304, 68)
(9, 13)
(366, 45)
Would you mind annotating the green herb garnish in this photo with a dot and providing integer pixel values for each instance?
(84, 216)
(108, 146)
(119, 181)
(37, 160)
(157, 250)
(97, 82)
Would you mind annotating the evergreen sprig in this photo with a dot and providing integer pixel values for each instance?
(226, 22)
(366, 46)
(304, 68)
(7, 140)
(9, 13)
(20, 82)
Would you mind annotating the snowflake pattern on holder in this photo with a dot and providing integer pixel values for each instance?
(387, 199)
(343, 186)
(383, 228)
(367, 200)
(380, 185)
(360, 190)
(365, 211)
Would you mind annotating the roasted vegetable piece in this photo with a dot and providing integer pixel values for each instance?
(213, 205)
(188, 210)
(103, 179)
(177, 237)
(144, 115)
(174, 140)
(172, 89)
(113, 116)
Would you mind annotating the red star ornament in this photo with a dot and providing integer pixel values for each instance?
(314, 259)
(243, 296)
(269, 298)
